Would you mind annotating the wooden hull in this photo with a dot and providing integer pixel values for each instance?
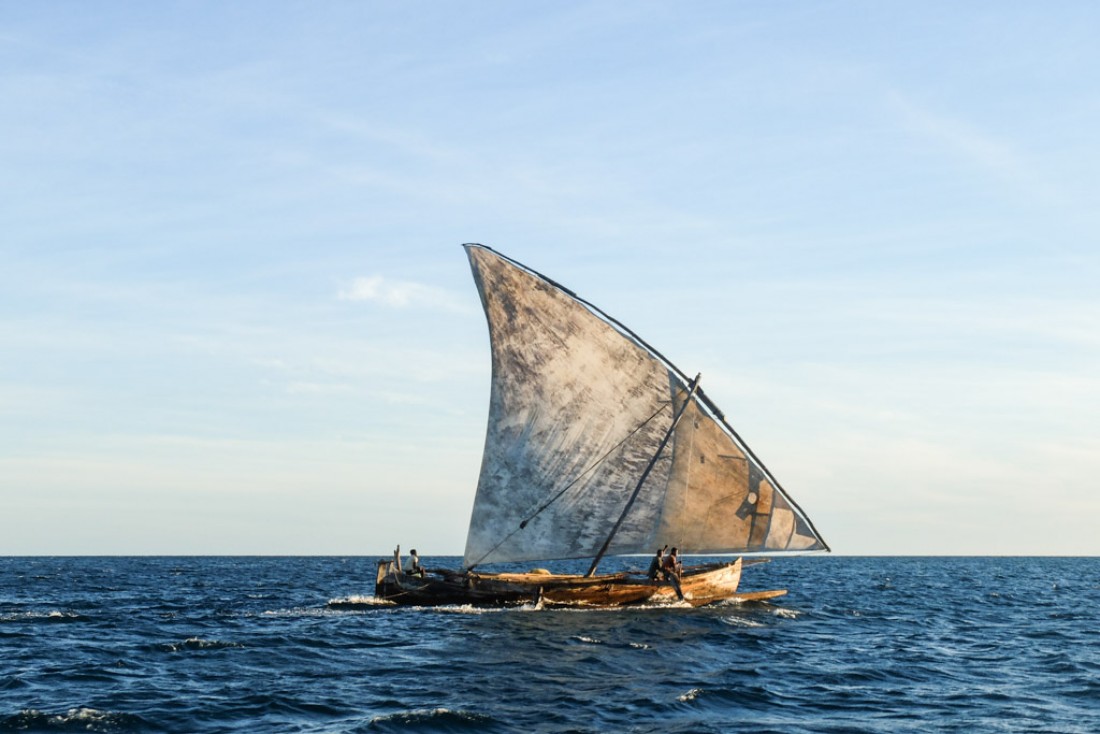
(699, 585)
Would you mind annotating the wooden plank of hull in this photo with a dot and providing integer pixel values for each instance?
(606, 594)
(704, 588)
(446, 587)
(702, 585)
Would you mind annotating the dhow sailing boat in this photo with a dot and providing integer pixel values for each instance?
(597, 445)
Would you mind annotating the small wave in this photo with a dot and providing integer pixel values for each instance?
(302, 612)
(364, 603)
(78, 719)
(439, 719)
(670, 604)
(356, 601)
(741, 622)
(641, 646)
(11, 683)
(1085, 690)
(588, 640)
(53, 616)
(691, 695)
(786, 613)
(197, 643)
(471, 609)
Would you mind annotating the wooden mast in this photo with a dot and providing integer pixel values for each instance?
(652, 462)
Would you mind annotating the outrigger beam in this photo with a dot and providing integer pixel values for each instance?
(652, 462)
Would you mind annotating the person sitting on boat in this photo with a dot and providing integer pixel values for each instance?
(656, 564)
(414, 569)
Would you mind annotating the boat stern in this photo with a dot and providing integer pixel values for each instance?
(385, 569)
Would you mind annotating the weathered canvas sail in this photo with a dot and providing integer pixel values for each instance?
(578, 408)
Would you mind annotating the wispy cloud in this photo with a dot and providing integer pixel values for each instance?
(402, 294)
(977, 147)
(974, 144)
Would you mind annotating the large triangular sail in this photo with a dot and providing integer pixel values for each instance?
(578, 407)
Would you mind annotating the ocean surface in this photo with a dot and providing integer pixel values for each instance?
(241, 644)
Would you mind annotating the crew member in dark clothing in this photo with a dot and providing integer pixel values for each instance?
(672, 568)
(656, 563)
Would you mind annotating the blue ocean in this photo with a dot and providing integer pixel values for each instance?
(245, 644)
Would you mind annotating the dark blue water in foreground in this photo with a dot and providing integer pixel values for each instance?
(250, 644)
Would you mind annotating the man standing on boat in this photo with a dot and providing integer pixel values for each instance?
(672, 568)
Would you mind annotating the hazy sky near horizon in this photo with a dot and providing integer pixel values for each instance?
(235, 316)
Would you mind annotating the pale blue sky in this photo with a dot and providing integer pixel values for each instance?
(235, 316)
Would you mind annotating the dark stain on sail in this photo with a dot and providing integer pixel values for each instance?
(760, 511)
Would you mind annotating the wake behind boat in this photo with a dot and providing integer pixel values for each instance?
(596, 445)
